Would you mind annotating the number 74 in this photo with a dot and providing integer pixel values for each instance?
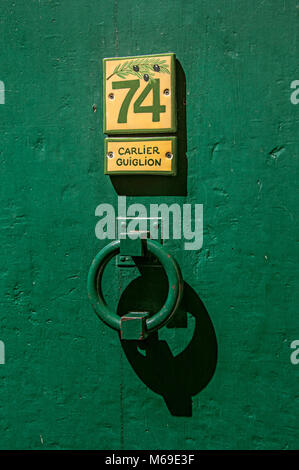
(156, 108)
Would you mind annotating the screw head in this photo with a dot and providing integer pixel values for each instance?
(146, 77)
(111, 96)
(169, 155)
(156, 68)
(135, 68)
(110, 155)
(166, 91)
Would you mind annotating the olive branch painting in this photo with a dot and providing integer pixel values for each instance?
(142, 68)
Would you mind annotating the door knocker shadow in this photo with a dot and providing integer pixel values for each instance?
(177, 378)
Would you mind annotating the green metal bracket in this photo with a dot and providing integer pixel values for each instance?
(129, 247)
(133, 326)
(136, 247)
(125, 262)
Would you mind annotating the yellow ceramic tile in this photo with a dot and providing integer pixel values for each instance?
(152, 155)
(139, 94)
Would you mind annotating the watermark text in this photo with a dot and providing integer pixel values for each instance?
(2, 352)
(2, 93)
(295, 94)
(177, 222)
(294, 358)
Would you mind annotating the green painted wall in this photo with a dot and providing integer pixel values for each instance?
(67, 383)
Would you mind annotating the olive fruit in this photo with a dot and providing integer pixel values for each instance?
(135, 68)
(146, 77)
(156, 68)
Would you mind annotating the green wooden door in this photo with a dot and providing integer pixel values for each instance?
(222, 375)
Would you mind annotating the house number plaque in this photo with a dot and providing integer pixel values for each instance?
(139, 98)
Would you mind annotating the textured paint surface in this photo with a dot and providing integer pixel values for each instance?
(67, 383)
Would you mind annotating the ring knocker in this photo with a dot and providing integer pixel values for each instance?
(145, 325)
